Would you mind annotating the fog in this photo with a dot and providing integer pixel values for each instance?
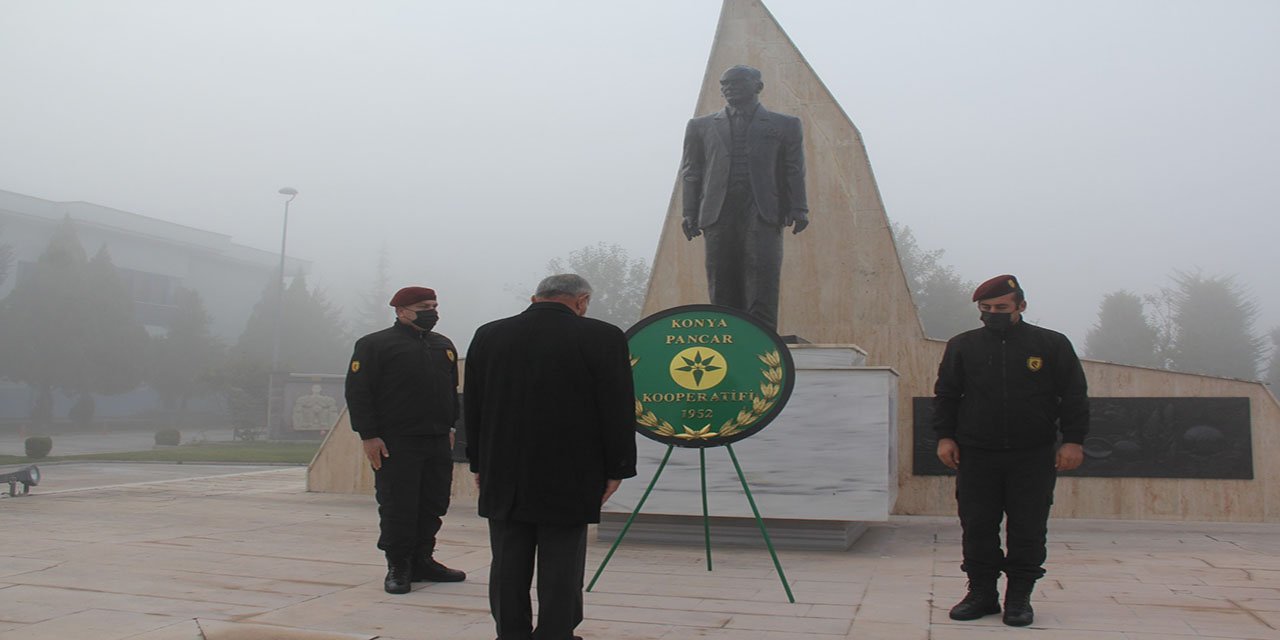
(1084, 146)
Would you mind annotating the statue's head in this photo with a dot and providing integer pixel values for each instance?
(741, 85)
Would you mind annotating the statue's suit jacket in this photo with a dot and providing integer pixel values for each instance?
(775, 149)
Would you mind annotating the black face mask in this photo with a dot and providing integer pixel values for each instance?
(426, 320)
(997, 321)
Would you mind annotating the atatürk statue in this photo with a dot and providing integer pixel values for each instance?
(743, 173)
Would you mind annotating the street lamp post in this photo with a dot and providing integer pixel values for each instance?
(275, 337)
(284, 234)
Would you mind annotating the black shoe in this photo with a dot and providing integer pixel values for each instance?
(982, 600)
(1017, 608)
(426, 569)
(397, 580)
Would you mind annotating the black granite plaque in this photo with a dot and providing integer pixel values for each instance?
(1207, 438)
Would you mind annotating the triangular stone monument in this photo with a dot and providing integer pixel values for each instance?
(842, 283)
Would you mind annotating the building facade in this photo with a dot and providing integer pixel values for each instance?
(155, 259)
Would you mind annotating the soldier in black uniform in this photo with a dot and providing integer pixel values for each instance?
(402, 396)
(1004, 393)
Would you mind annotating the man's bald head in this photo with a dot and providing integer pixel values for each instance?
(741, 85)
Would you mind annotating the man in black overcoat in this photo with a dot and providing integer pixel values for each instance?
(550, 415)
(743, 175)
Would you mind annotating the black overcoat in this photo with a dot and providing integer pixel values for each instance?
(550, 413)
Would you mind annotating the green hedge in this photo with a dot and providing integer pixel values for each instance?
(39, 446)
(171, 437)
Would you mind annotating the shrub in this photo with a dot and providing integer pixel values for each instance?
(39, 446)
(169, 437)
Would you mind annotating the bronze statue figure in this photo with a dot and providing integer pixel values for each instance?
(743, 173)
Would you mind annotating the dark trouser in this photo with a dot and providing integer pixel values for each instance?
(561, 552)
(413, 493)
(744, 260)
(1017, 486)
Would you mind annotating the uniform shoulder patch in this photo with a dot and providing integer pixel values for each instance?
(1035, 363)
(355, 366)
(452, 357)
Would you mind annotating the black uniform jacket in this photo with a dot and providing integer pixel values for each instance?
(402, 382)
(550, 414)
(1011, 389)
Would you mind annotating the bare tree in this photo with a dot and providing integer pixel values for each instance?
(943, 298)
(618, 282)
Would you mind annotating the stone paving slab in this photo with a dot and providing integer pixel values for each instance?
(252, 555)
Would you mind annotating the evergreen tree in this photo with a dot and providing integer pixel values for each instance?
(116, 356)
(6, 260)
(1213, 327)
(182, 362)
(70, 325)
(1273, 370)
(40, 336)
(943, 299)
(1123, 333)
(618, 283)
(312, 338)
(374, 312)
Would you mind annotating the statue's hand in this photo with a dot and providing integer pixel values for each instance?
(797, 224)
(690, 228)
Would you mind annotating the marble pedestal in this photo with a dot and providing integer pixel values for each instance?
(823, 468)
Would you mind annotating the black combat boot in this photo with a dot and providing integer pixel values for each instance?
(1017, 603)
(397, 580)
(426, 569)
(982, 600)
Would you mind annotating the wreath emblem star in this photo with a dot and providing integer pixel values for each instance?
(698, 367)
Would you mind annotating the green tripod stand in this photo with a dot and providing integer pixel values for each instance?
(706, 520)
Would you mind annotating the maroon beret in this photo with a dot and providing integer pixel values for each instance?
(411, 295)
(996, 287)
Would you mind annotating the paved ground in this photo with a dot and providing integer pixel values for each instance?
(56, 477)
(251, 555)
(70, 444)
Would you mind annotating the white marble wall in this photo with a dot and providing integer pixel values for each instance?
(830, 455)
(827, 356)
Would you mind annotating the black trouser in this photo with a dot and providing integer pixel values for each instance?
(561, 552)
(744, 260)
(1017, 486)
(413, 493)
